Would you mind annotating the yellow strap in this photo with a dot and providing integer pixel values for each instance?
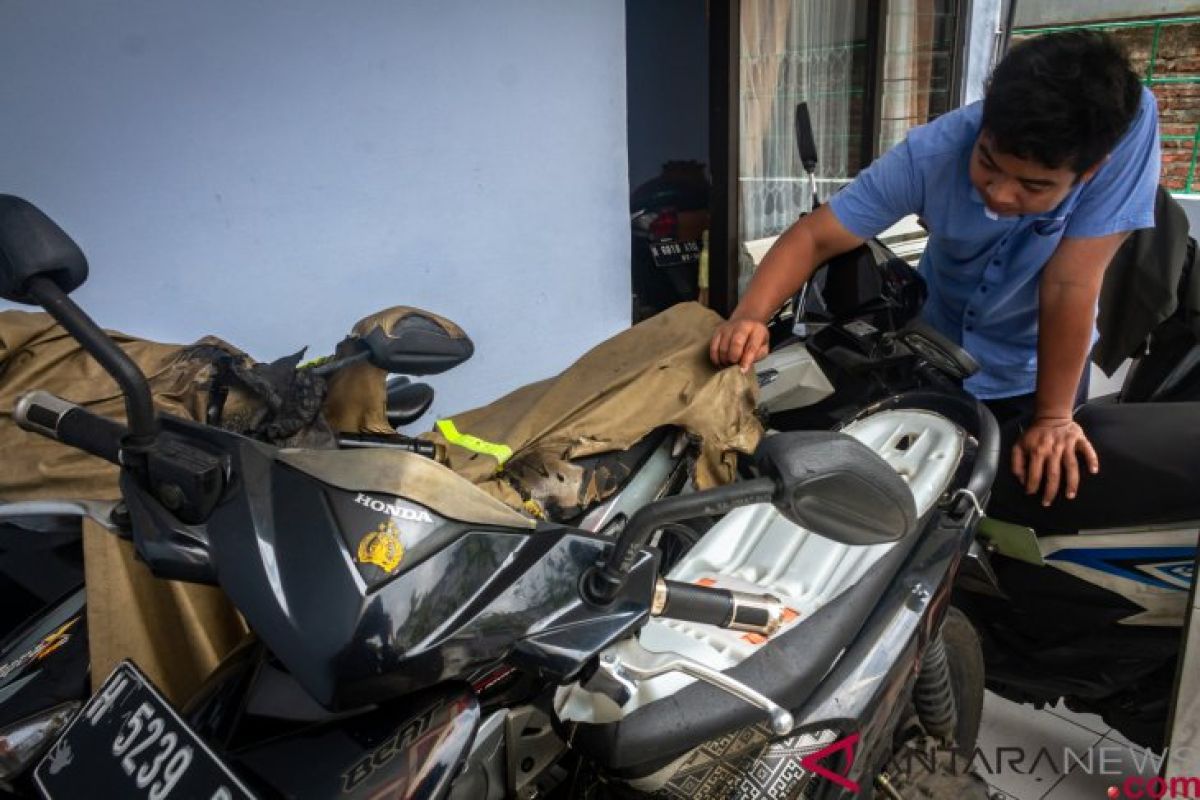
(500, 452)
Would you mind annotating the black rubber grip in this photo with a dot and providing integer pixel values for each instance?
(691, 603)
(750, 616)
(90, 432)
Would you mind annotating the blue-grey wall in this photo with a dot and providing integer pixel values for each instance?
(269, 172)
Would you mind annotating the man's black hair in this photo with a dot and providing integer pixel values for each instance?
(1062, 100)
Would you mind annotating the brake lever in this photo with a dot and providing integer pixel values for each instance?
(618, 680)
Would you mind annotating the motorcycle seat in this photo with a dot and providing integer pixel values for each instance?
(1149, 459)
(828, 588)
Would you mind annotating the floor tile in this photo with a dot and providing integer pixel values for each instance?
(1112, 762)
(1093, 722)
(1020, 750)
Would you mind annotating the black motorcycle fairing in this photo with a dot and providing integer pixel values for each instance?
(1054, 635)
(485, 595)
(46, 662)
(1149, 460)
(279, 741)
(41, 559)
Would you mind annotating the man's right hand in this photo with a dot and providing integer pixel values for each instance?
(739, 341)
(810, 241)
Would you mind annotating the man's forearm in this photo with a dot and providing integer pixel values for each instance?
(1066, 319)
(791, 261)
(785, 268)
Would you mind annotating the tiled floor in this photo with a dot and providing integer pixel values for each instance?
(1054, 754)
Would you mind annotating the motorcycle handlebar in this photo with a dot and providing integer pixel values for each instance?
(724, 608)
(50, 416)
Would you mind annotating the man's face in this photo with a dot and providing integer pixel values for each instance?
(1010, 186)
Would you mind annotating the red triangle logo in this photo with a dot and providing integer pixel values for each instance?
(809, 762)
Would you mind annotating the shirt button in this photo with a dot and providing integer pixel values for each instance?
(983, 288)
(969, 328)
(970, 312)
(996, 262)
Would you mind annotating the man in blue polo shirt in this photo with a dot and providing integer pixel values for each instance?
(1026, 197)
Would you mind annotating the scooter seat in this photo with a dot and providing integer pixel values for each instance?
(829, 588)
(1149, 459)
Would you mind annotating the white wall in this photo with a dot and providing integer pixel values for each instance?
(270, 172)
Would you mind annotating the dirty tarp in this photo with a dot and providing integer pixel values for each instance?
(177, 632)
(654, 374)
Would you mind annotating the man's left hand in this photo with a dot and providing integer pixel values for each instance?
(1048, 453)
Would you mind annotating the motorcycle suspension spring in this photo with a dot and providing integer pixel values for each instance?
(933, 696)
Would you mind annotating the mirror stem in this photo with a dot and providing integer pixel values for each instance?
(603, 582)
(139, 409)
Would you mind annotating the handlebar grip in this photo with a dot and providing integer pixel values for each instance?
(724, 608)
(50, 416)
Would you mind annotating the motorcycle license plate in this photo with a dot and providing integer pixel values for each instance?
(673, 254)
(128, 742)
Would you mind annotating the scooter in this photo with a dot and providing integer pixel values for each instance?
(389, 663)
(1087, 600)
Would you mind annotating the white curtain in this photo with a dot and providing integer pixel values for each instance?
(793, 51)
(916, 65)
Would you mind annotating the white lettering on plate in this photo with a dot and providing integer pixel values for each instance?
(106, 700)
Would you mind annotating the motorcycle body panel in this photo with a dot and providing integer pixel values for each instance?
(277, 738)
(46, 663)
(41, 561)
(362, 609)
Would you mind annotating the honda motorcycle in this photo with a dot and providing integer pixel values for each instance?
(44, 663)
(485, 654)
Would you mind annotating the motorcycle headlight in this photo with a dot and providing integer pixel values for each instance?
(23, 742)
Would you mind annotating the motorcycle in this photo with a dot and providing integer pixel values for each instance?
(43, 584)
(1085, 601)
(417, 668)
(667, 216)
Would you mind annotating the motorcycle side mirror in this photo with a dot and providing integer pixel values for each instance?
(407, 401)
(33, 246)
(806, 143)
(806, 147)
(40, 265)
(416, 345)
(835, 486)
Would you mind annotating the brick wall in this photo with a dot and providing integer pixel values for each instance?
(1178, 103)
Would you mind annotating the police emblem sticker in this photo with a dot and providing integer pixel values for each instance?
(382, 547)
